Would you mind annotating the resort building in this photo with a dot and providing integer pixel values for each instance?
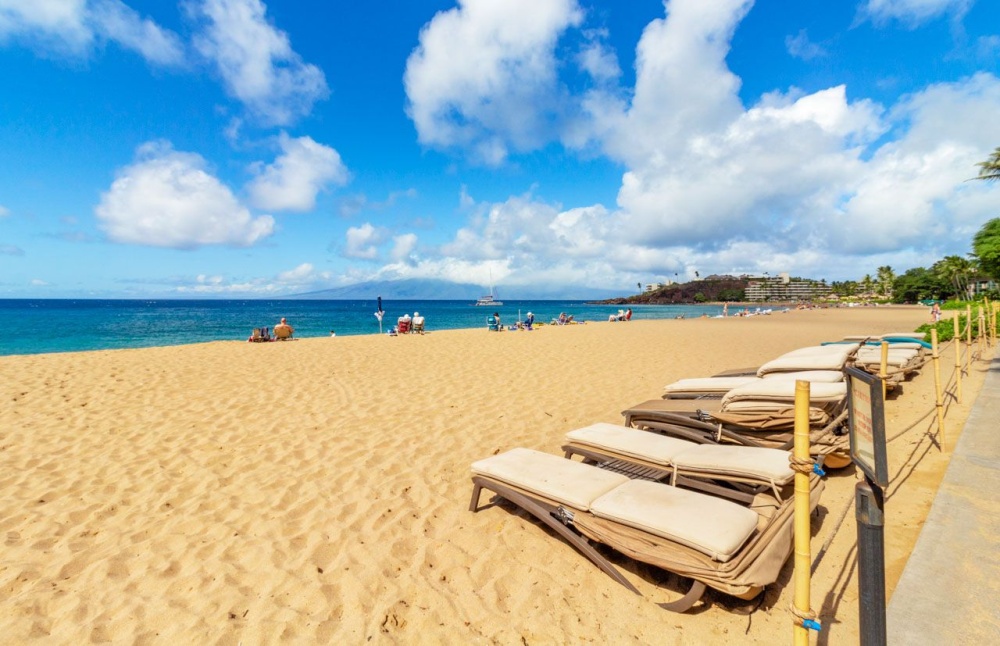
(783, 288)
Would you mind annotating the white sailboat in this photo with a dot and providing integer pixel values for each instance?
(491, 298)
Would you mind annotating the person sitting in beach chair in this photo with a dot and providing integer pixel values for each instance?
(259, 335)
(283, 331)
(418, 323)
(403, 324)
(493, 323)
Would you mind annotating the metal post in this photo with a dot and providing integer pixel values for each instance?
(869, 508)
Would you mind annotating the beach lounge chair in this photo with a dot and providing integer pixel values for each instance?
(259, 335)
(730, 471)
(823, 363)
(493, 324)
(715, 542)
(760, 413)
(901, 363)
(716, 387)
(418, 325)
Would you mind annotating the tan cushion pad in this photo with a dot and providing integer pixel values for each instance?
(828, 361)
(566, 482)
(784, 391)
(836, 349)
(770, 465)
(812, 376)
(708, 384)
(710, 525)
(642, 445)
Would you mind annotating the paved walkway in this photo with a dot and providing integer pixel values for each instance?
(950, 589)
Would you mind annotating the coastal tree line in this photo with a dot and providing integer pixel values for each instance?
(952, 277)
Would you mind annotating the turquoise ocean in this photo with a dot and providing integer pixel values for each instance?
(49, 325)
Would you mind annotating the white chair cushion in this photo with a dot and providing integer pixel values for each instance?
(710, 525)
(569, 483)
(821, 350)
(770, 465)
(897, 354)
(784, 391)
(630, 442)
(812, 376)
(828, 361)
(708, 384)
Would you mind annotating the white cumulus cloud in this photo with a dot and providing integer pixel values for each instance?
(302, 170)
(912, 12)
(484, 75)
(815, 183)
(363, 241)
(403, 247)
(256, 60)
(72, 27)
(167, 198)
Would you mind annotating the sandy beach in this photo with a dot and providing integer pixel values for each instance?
(318, 490)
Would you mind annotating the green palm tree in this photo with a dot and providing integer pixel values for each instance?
(990, 169)
(956, 271)
(986, 245)
(866, 284)
(886, 276)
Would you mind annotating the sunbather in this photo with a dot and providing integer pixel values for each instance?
(283, 331)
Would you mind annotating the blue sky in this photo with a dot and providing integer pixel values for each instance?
(234, 148)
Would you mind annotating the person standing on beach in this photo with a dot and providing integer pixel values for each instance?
(936, 312)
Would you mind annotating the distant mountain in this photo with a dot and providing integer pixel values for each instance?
(442, 290)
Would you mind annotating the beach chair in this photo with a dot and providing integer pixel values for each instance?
(418, 325)
(493, 324)
(259, 335)
(815, 364)
(902, 363)
(759, 413)
(730, 471)
(716, 543)
(403, 326)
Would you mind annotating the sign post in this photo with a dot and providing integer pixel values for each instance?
(867, 427)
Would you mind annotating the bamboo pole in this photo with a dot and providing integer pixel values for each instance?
(991, 321)
(982, 332)
(883, 367)
(987, 332)
(958, 359)
(803, 558)
(938, 398)
(968, 336)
